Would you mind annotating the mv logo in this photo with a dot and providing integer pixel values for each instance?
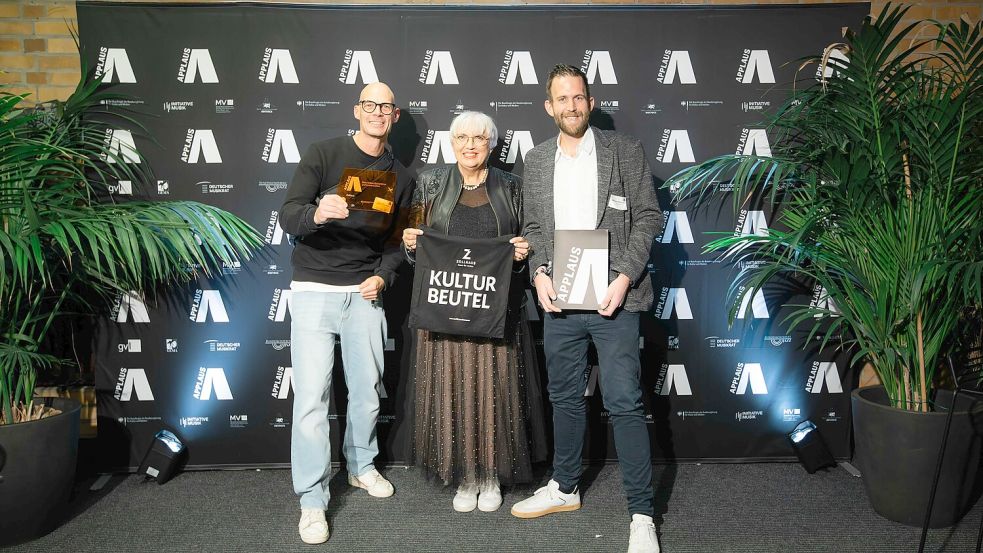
(283, 382)
(597, 63)
(207, 302)
(824, 371)
(755, 62)
(200, 143)
(280, 141)
(748, 374)
(756, 302)
(131, 304)
(676, 63)
(274, 234)
(277, 61)
(518, 64)
(212, 379)
(196, 62)
(280, 306)
(438, 144)
(673, 376)
(133, 382)
(113, 62)
(121, 147)
(754, 142)
(677, 224)
(438, 62)
(675, 143)
(822, 301)
(357, 62)
(591, 266)
(674, 299)
(516, 143)
(752, 222)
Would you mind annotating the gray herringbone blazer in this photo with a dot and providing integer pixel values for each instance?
(622, 170)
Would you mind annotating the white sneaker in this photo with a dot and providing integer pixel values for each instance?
(372, 482)
(643, 538)
(313, 528)
(546, 500)
(466, 498)
(490, 496)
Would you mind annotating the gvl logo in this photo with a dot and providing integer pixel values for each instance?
(212, 379)
(280, 306)
(132, 382)
(597, 63)
(756, 302)
(357, 62)
(277, 61)
(196, 62)
(274, 234)
(755, 62)
(824, 371)
(517, 63)
(123, 188)
(120, 146)
(205, 302)
(677, 224)
(748, 374)
(673, 376)
(675, 142)
(130, 304)
(751, 222)
(438, 62)
(280, 141)
(435, 143)
(200, 143)
(676, 62)
(114, 63)
(515, 143)
(132, 346)
(283, 382)
(673, 299)
(754, 142)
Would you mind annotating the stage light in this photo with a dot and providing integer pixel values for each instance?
(810, 447)
(162, 457)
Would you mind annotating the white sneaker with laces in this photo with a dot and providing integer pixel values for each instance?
(546, 500)
(643, 538)
(313, 527)
(372, 482)
(490, 496)
(466, 498)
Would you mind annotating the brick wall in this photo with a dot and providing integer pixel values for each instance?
(38, 54)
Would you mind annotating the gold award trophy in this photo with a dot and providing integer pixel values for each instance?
(368, 189)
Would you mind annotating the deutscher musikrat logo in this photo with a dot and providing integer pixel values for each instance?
(597, 63)
(133, 345)
(675, 144)
(130, 305)
(754, 142)
(716, 342)
(750, 222)
(205, 303)
(283, 382)
(822, 302)
(753, 300)
(514, 145)
(673, 300)
(824, 372)
(676, 227)
(200, 143)
(196, 63)
(114, 65)
(755, 63)
(277, 61)
(438, 63)
(133, 384)
(517, 65)
(676, 63)
(274, 234)
(748, 375)
(208, 187)
(280, 305)
(212, 380)
(215, 346)
(357, 63)
(437, 144)
(120, 147)
(673, 377)
(280, 141)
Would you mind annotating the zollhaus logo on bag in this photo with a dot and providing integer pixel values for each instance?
(597, 63)
(755, 63)
(280, 141)
(673, 376)
(196, 62)
(515, 143)
(518, 64)
(277, 61)
(438, 63)
(675, 142)
(209, 380)
(114, 63)
(676, 62)
(357, 62)
(132, 382)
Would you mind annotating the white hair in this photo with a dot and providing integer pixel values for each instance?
(477, 122)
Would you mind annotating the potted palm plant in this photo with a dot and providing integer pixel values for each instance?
(64, 251)
(877, 183)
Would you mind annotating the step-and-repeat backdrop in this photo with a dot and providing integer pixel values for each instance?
(231, 97)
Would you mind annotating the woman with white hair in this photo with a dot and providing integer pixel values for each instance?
(479, 419)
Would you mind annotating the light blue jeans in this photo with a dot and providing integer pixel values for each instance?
(317, 318)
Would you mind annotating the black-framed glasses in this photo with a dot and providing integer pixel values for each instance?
(368, 106)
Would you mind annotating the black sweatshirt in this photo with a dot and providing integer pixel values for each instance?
(347, 251)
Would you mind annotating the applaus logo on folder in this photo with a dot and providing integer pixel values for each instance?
(580, 268)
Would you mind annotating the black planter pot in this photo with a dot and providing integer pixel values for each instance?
(37, 476)
(897, 451)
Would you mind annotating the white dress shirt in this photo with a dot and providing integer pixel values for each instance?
(575, 186)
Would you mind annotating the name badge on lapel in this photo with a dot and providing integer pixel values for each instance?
(618, 202)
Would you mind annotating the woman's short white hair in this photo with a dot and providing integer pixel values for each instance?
(478, 123)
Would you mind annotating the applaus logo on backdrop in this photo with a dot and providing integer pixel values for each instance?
(755, 63)
(676, 63)
(677, 225)
(597, 63)
(438, 63)
(212, 380)
(824, 372)
(196, 63)
(673, 377)
(673, 300)
(821, 300)
(357, 63)
(280, 141)
(515, 144)
(283, 382)
(132, 384)
(121, 147)
(114, 64)
(518, 65)
(754, 142)
(208, 302)
(755, 302)
(750, 222)
(277, 61)
(274, 234)
(130, 305)
(748, 375)
(200, 143)
(280, 305)
(437, 144)
(676, 143)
